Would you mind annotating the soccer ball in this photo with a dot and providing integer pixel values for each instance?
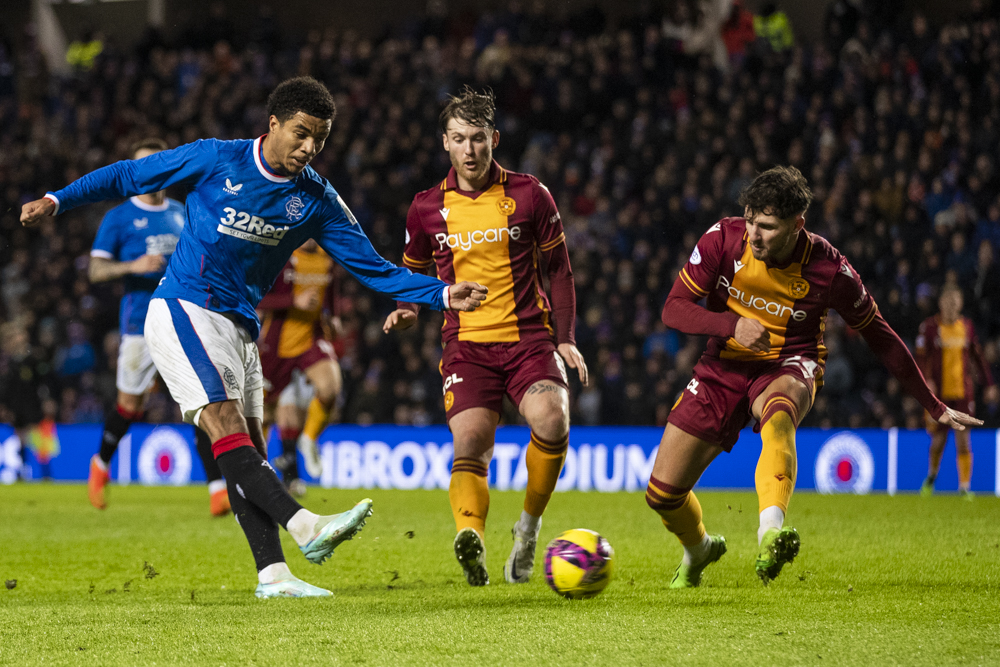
(579, 564)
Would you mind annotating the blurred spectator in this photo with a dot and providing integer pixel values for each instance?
(82, 53)
(773, 26)
(738, 33)
(643, 134)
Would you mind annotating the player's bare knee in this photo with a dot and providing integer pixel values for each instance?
(327, 395)
(478, 448)
(547, 411)
(553, 426)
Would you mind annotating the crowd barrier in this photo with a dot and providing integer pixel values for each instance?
(601, 458)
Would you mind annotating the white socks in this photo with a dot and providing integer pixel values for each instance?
(771, 517)
(215, 486)
(302, 526)
(530, 524)
(275, 572)
(697, 553)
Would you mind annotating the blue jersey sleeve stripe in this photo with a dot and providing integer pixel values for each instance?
(191, 343)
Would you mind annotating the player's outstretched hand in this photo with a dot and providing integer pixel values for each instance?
(148, 264)
(575, 360)
(34, 211)
(958, 420)
(466, 296)
(399, 319)
(752, 335)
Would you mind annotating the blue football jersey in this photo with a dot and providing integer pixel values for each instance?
(243, 223)
(130, 231)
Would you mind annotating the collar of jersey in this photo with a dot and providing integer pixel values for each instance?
(258, 159)
(138, 203)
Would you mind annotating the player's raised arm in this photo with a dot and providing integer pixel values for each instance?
(127, 178)
(850, 298)
(343, 239)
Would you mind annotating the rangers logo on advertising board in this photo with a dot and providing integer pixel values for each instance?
(164, 458)
(845, 465)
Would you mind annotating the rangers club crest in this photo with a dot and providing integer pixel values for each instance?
(230, 379)
(506, 206)
(293, 208)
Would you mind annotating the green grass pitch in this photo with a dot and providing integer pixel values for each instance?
(879, 581)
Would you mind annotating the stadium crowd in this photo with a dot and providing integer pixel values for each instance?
(644, 130)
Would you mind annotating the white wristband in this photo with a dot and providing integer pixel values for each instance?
(54, 200)
(447, 297)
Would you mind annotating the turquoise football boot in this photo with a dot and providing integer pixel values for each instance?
(290, 588)
(338, 529)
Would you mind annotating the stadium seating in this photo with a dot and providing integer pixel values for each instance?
(643, 140)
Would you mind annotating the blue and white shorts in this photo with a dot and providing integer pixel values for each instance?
(135, 367)
(204, 357)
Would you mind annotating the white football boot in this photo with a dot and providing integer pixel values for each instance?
(518, 568)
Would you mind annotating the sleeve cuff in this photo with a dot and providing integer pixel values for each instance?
(446, 295)
(103, 254)
(55, 200)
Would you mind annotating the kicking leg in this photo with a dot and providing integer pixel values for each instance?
(237, 444)
(680, 461)
(473, 431)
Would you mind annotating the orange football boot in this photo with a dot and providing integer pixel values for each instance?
(96, 482)
(218, 503)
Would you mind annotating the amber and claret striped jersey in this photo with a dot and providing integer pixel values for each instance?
(946, 352)
(500, 237)
(289, 330)
(791, 301)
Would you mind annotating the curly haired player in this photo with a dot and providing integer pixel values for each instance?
(253, 203)
(769, 284)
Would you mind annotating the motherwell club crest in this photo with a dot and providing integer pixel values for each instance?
(798, 288)
(506, 206)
